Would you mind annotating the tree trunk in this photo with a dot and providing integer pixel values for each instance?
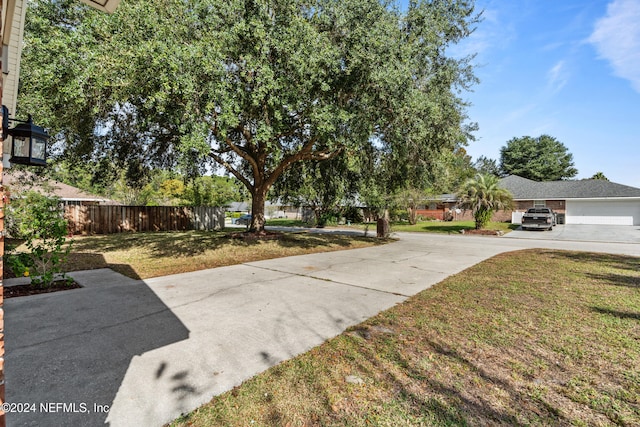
(413, 215)
(382, 228)
(383, 225)
(258, 199)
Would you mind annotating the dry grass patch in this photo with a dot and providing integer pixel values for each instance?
(144, 255)
(535, 337)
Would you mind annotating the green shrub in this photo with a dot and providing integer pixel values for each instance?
(20, 263)
(39, 221)
(399, 214)
(482, 217)
(352, 214)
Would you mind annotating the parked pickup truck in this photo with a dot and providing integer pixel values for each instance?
(539, 218)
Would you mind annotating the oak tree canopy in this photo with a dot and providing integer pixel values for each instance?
(253, 86)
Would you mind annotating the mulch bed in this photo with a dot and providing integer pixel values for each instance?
(25, 290)
(483, 232)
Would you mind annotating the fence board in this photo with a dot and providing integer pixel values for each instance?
(108, 219)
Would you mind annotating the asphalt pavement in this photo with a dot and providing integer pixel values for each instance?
(142, 352)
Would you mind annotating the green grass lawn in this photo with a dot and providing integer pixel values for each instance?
(535, 337)
(448, 227)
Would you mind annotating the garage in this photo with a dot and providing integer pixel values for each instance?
(598, 212)
(582, 201)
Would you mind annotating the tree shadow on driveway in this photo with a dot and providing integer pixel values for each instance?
(68, 352)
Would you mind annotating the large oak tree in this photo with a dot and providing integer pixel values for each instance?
(254, 85)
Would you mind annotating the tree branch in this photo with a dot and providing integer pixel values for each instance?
(305, 153)
(242, 153)
(325, 155)
(223, 151)
(231, 169)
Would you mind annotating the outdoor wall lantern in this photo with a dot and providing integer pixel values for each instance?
(28, 141)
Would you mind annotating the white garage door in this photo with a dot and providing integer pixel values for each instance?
(612, 212)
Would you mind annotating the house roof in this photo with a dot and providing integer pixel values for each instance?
(63, 191)
(526, 189)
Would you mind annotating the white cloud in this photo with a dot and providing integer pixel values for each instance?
(491, 34)
(557, 77)
(519, 113)
(616, 38)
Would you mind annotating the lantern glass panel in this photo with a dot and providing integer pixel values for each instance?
(21, 146)
(38, 149)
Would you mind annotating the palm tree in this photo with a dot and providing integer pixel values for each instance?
(484, 196)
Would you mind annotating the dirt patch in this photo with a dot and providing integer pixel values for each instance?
(261, 235)
(26, 290)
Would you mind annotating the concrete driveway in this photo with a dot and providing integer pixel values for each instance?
(130, 352)
(583, 233)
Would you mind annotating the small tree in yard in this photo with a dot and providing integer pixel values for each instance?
(38, 220)
(410, 199)
(484, 196)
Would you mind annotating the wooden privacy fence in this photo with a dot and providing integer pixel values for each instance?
(108, 219)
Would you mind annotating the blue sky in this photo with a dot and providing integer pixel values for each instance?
(569, 69)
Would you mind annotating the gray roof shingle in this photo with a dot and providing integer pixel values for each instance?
(526, 189)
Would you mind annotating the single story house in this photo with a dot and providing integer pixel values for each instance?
(587, 201)
(271, 210)
(67, 194)
(442, 207)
